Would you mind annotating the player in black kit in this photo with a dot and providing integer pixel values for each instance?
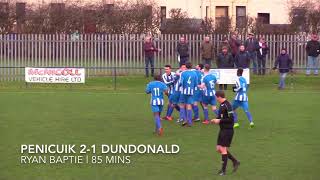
(225, 121)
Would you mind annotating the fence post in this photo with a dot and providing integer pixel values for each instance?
(115, 78)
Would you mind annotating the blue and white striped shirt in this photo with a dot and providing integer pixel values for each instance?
(169, 81)
(209, 81)
(156, 89)
(241, 89)
(177, 87)
(188, 82)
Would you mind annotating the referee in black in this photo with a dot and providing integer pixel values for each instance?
(225, 121)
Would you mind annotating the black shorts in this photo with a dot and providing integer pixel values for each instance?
(225, 137)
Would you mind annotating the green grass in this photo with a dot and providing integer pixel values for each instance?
(283, 145)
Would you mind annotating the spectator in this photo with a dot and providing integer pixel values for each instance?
(252, 45)
(183, 51)
(224, 61)
(313, 51)
(149, 50)
(242, 59)
(284, 63)
(224, 43)
(262, 52)
(234, 44)
(207, 51)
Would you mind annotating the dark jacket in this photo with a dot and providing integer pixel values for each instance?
(242, 60)
(251, 45)
(313, 48)
(183, 49)
(262, 51)
(225, 60)
(284, 63)
(234, 45)
(148, 51)
(207, 50)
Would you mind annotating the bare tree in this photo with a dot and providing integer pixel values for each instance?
(73, 18)
(249, 25)
(304, 15)
(176, 23)
(207, 26)
(7, 17)
(37, 19)
(128, 17)
(223, 25)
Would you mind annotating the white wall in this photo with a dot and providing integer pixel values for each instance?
(278, 9)
(194, 8)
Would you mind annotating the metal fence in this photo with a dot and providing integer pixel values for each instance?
(98, 52)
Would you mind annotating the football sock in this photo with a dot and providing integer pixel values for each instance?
(169, 112)
(235, 117)
(182, 113)
(168, 109)
(206, 114)
(195, 111)
(224, 158)
(189, 116)
(177, 107)
(157, 121)
(249, 116)
(233, 159)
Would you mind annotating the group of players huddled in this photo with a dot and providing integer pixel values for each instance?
(186, 89)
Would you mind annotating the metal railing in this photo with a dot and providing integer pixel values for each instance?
(98, 52)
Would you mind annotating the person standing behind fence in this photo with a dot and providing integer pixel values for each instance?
(242, 59)
(183, 51)
(251, 45)
(224, 43)
(285, 64)
(313, 51)
(262, 52)
(224, 61)
(207, 51)
(149, 50)
(234, 44)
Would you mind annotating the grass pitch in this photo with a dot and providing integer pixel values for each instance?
(283, 145)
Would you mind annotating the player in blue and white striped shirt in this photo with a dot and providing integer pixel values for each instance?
(174, 98)
(241, 99)
(198, 93)
(208, 83)
(156, 89)
(188, 82)
(169, 79)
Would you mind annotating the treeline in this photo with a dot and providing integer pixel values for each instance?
(129, 17)
(141, 17)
